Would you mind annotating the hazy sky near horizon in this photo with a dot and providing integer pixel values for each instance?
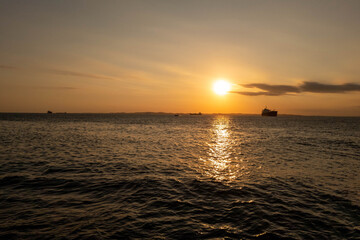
(300, 57)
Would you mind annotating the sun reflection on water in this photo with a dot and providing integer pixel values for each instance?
(222, 161)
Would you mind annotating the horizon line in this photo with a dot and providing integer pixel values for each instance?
(181, 113)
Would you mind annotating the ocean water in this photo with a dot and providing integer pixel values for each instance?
(133, 176)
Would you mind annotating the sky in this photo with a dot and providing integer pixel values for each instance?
(298, 57)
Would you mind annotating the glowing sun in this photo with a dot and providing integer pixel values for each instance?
(221, 87)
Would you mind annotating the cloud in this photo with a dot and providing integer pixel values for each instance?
(79, 74)
(7, 67)
(59, 88)
(56, 88)
(314, 87)
(122, 76)
(273, 90)
(68, 73)
(257, 93)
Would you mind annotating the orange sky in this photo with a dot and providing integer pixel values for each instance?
(164, 56)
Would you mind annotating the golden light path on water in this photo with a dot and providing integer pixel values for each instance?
(224, 161)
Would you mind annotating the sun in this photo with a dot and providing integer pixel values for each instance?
(221, 87)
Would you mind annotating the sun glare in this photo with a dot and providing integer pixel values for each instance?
(221, 87)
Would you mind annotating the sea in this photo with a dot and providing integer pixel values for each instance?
(160, 176)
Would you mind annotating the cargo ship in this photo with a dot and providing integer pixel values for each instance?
(268, 112)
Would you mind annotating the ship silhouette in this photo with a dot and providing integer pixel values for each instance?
(269, 113)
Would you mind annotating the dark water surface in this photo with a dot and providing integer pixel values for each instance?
(118, 176)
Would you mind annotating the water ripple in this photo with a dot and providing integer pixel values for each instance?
(116, 176)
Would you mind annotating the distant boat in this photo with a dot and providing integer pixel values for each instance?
(199, 113)
(268, 112)
(49, 112)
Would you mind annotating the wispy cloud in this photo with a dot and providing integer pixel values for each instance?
(314, 87)
(79, 74)
(58, 88)
(7, 67)
(121, 76)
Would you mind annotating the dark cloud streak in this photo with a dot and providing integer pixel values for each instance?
(258, 93)
(314, 87)
(274, 90)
